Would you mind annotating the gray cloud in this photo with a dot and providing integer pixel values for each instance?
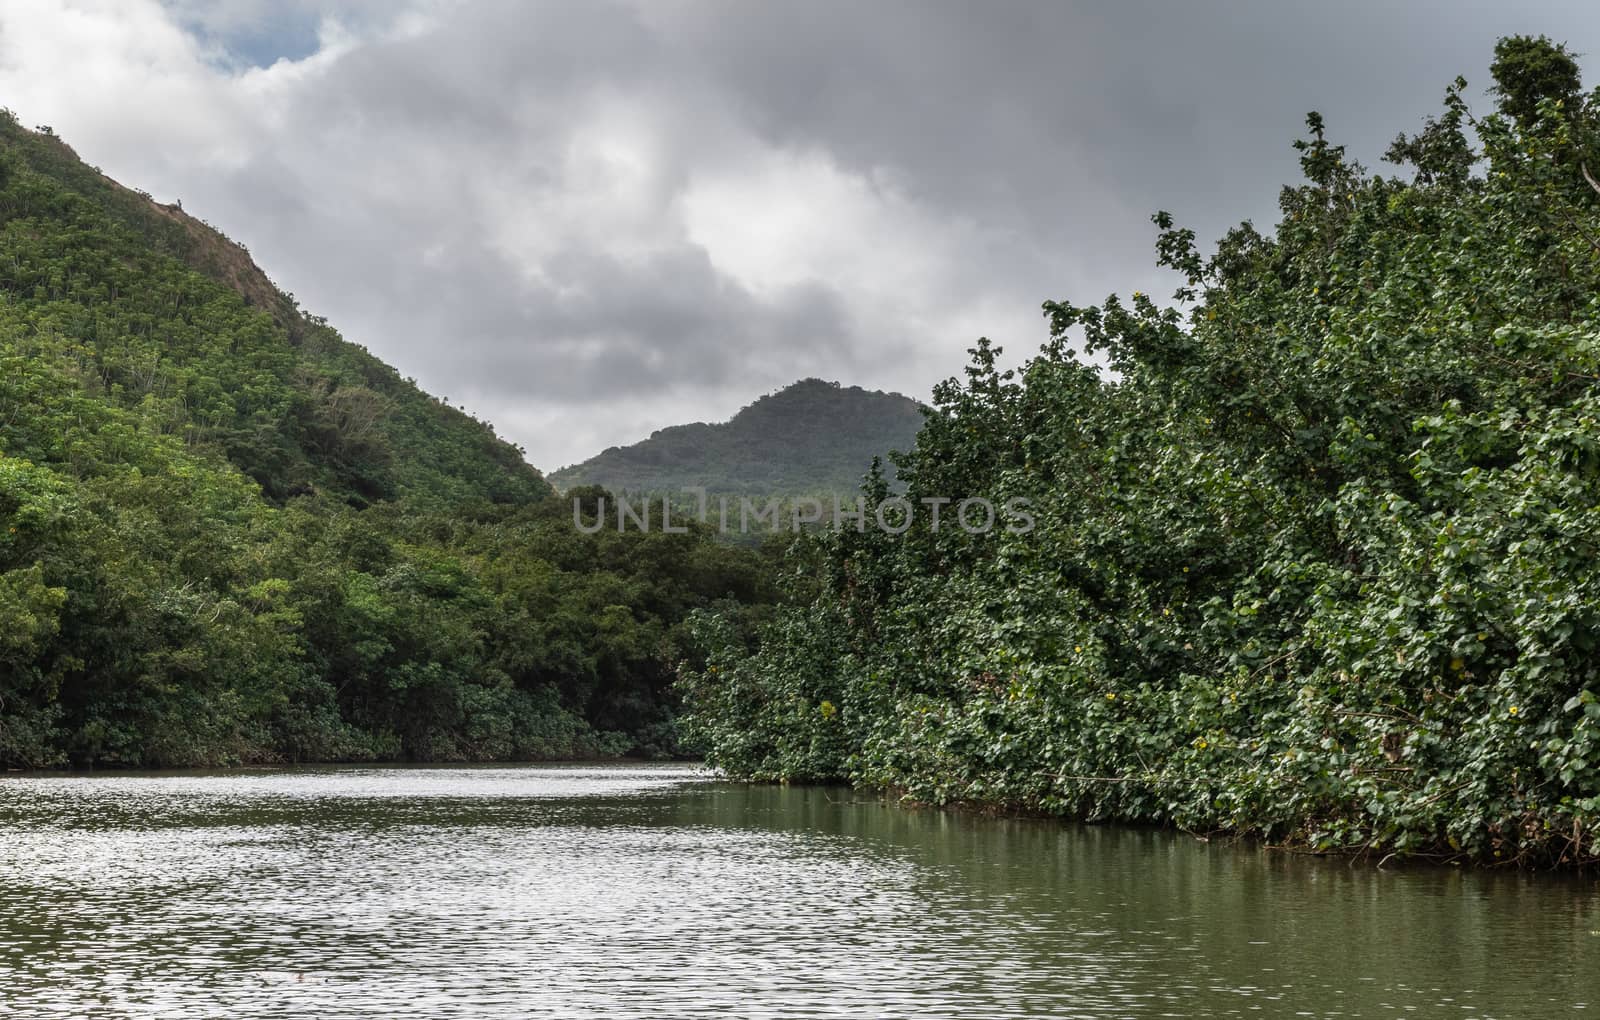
(590, 220)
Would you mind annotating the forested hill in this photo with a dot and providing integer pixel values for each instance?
(297, 408)
(227, 535)
(810, 437)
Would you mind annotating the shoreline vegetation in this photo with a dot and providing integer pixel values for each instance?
(1318, 563)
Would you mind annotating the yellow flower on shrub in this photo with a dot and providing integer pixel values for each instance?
(828, 709)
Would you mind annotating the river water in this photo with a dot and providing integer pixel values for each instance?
(658, 892)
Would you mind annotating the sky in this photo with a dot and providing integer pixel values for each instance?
(584, 221)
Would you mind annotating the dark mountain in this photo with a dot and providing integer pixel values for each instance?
(811, 437)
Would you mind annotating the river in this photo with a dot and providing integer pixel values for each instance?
(661, 893)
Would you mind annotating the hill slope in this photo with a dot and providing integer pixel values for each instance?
(227, 535)
(292, 404)
(812, 436)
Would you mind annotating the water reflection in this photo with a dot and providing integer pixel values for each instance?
(654, 892)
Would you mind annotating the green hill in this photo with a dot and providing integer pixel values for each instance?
(810, 437)
(142, 290)
(227, 534)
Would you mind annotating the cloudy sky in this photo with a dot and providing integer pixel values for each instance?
(587, 220)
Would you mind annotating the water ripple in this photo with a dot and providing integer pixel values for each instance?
(654, 892)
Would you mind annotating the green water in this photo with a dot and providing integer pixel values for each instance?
(659, 893)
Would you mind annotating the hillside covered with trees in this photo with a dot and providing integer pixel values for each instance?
(810, 437)
(1318, 562)
(228, 535)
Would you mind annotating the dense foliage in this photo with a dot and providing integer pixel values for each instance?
(228, 535)
(812, 437)
(1318, 561)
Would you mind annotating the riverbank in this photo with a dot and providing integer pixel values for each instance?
(1316, 561)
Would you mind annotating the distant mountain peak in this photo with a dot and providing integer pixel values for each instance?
(812, 436)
